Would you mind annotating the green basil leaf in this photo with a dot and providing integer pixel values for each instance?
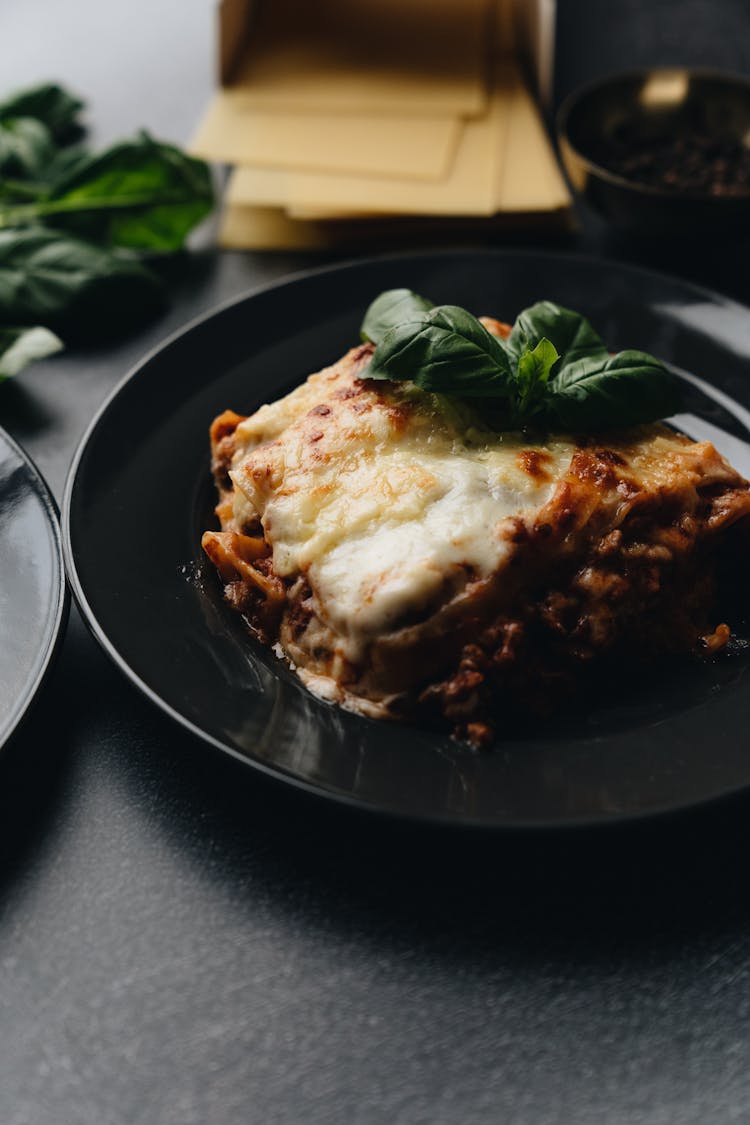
(41, 170)
(26, 148)
(446, 351)
(532, 376)
(620, 390)
(51, 104)
(83, 291)
(65, 161)
(535, 366)
(18, 191)
(569, 332)
(391, 308)
(140, 194)
(21, 346)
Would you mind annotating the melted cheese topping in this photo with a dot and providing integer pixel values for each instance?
(381, 496)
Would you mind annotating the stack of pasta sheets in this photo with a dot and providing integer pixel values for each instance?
(349, 120)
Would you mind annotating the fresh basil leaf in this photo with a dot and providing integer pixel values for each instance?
(19, 191)
(532, 376)
(83, 291)
(446, 351)
(140, 194)
(51, 104)
(620, 390)
(535, 366)
(32, 155)
(21, 346)
(569, 332)
(65, 161)
(391, 308)
(26, 148)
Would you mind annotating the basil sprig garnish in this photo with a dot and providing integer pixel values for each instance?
(393, 307)
(553, 369)
(20, 346)
(83, 235)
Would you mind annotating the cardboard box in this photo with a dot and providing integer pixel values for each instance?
(346, 110)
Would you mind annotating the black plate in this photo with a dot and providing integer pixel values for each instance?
(139, 495)
(33, 594)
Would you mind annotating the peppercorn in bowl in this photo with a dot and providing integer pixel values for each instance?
(666, 150)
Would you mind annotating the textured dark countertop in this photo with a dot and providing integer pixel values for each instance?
(183, 942)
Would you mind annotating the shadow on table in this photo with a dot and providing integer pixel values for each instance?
(461, 892)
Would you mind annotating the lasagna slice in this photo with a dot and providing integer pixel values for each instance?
(409, 561)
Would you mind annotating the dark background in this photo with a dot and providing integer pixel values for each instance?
(595, 38)
(184, 942)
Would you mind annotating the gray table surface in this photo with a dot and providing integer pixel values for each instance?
(185, 943)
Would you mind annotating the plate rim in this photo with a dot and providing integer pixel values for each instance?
(276, 773)
(50, 652)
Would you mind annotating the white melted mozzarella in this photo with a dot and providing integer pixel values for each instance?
(379, 512)
(378, 569)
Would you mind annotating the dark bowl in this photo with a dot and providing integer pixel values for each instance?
(621, 136)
